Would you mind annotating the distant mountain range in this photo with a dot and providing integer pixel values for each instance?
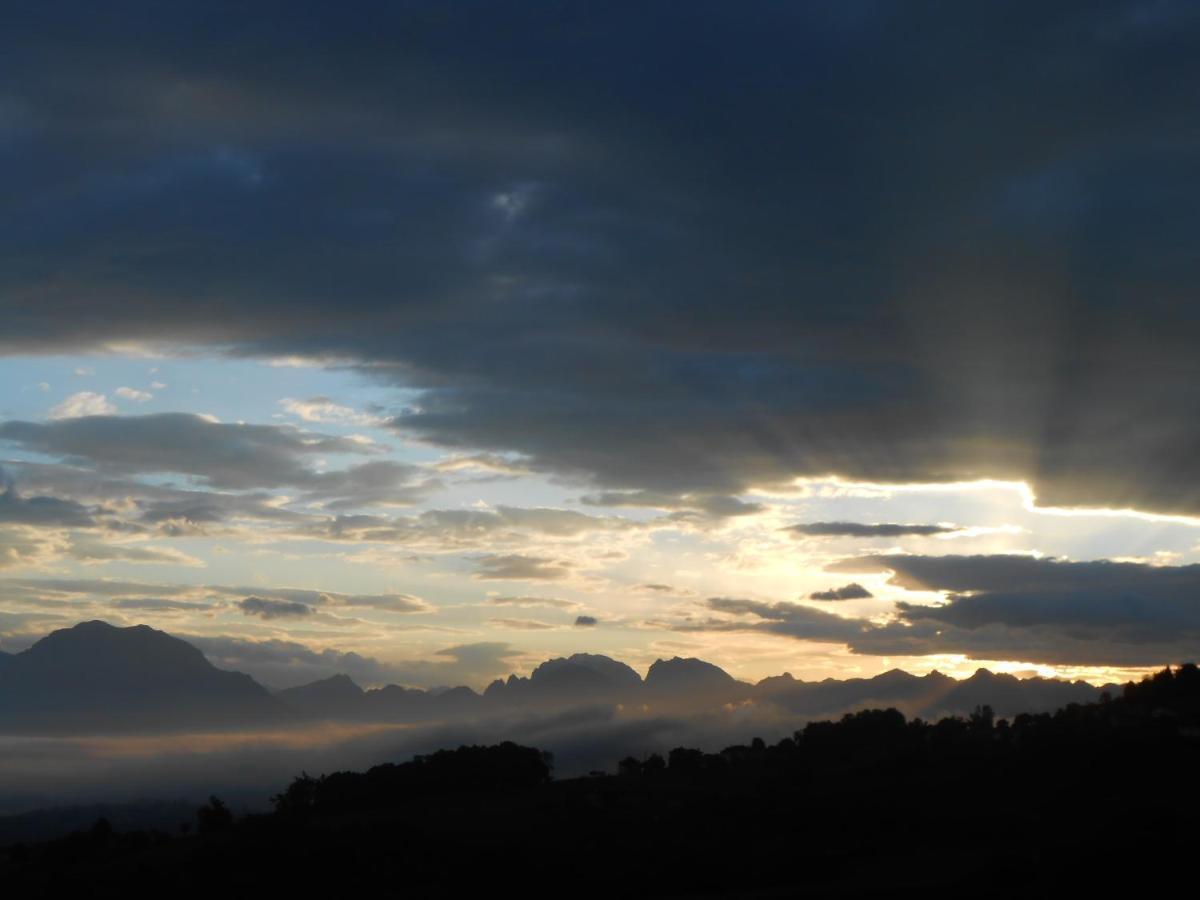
(95, 678)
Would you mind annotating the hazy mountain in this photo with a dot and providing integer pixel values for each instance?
(393, 703)
(581, 678)
(930, 696)
(334, 697)
(1009, 695)
(830, 697)
(688, 679)
(96, 678)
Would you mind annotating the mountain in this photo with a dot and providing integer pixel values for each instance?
(577, 679)
(96, 678)
(831, 697)
(692, 682)
(931, 696)
(339, 697)
(334, 697)
(616, 672)
(1009, 695)
(392, 703)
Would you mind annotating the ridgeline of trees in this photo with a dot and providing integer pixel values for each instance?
(1094, 796)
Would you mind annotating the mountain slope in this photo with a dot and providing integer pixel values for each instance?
(334, 697)
(96, 678)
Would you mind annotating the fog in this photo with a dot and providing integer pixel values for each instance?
(246, 767)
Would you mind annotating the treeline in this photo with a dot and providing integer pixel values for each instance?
(1091, 797)
(467, 770)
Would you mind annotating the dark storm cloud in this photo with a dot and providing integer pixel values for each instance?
(680, 254)
(861, 530)
(1002, 607)
(585, 621)
(852, 591)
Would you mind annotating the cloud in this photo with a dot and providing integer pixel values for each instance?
(103, 589)
(133, 394)
(860, 530)
(274, 609)
(89, 551)
(1000, 607)
(233, 456)
(787, 619)
(680, 306)
(280, 663)
(49, 511)
(461, 528)
(393, 602)
(325, 410)
(1131, 602)
(24, 545)
(521, 624)
(585, 621)
(686, 505)
(158, 604)
(550, 602)
(133, 506)
(521, 568)
(852, 591)
(84, 403)
(656, 588)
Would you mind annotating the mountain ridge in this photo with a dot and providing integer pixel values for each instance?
(95, 676)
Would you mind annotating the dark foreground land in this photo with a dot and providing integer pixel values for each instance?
(1093, 798)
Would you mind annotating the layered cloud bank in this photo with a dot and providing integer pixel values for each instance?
(431, 343)
(607, 267)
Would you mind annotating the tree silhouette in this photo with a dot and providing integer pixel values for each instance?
(213, 817)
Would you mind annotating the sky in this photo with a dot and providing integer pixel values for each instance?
(427, 341)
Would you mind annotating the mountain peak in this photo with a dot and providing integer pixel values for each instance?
(686, 673)
(99, 677)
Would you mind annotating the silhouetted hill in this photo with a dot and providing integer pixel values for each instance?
(1095, 798)
(95, 677)
(48, 824)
